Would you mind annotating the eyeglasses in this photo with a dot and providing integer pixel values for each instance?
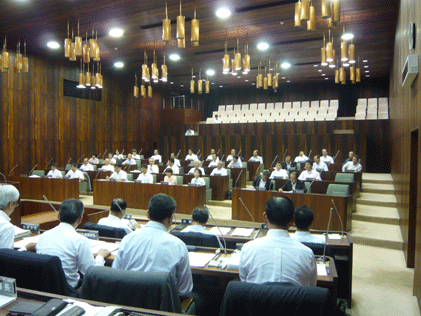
(16, 204)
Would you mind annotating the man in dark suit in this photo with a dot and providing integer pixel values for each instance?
(293, 184)
(262, 182)
(287, 164)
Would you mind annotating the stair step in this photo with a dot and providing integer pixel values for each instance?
(224, 203)
(376, 214)
(379, 188)
(377, 235)
(380, 200)
(383, 178)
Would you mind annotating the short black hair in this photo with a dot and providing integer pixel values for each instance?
(293, 172)
(118, 164)
(279, 210)
(288, 157)
(161, 206)
(54, 164)
(317, 156)
(266, 173)
(356, 156)
(235, 156)
(74, 165)
(70, 211)
(134, 151)
(278, 162)
(310, 162)
(94, 154)
(197, 169)
(169, 170)
(144, 166)
(303, 217)
(116, 203)
(200, 215)
(171, 159)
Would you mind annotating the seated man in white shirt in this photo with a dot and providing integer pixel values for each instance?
(303, 218)
(152, 167)
(74, 173)
(176, 161)
(157, 156)
(189, 132)
(231, 157)
(210, 157)
(326, 158)
(135, 156)
(86, 166)
(64, 242)
(144, 176)
(107, 166)
(129, 161)
(350, 155)
(9, 197)
(219, 170)
(171, 164)
(94, 160)
(319, 165)
(301, 157)
(279, 172)
(115, 218)
(54, 173)
(217, 120)
(256, 157)
(118, 174)
(191, 156)
(277, 257)
(309, 173)
(196, 166)
(153, 249)
(235, 163)
(352, 166)
(214, 161)
(117, 155)
(199, 218)
(112, 160)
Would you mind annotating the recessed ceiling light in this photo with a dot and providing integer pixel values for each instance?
(53, 45)
(323, 75)
(367, 71)
(365, 66)
(246, 80)
(263, 46)
(367, 76)
(223, 13)
(282, 77)
(220, 86)
(212, 82)
(238, 77)
(347, 36)
(210, 72)
(288, 80)
(316, 66)
(119, 64)
(171, 82)
(116, 32)
(181, 85)
(326, 78)
(285, 65)
(346, 64)
(320, 70)
(174, 57)
(365, 61)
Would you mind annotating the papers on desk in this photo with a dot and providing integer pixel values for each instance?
(135, 171)
(321, 269)
(6, 300)
(335, 236)
(89, 309)
(25, 241)
(224, 230)
(105, 245)
(19, 232)
(200, 260)
(242, 232)
(34, 176)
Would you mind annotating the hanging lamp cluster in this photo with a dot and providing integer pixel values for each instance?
(181, 28)
(149, 75)
(269, 80)
(305, 13)
(21, 63)
(199, 83)
(237, 64)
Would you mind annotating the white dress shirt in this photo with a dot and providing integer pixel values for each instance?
(54, 174)
(279, 173)
(114, 221)
(198, 181)
(145, 177)
(219, 172)
(277, 258)
(175, 169)
(93, 161)
(320, 165)
(230, 157)
(118, 157)
(327, 159)
(191, 171)
(171, 181)
(307, 237)
(213, 163)
(302, 158)
(107, 168)
(176, 162)
(313, 174)
(72, 248)
(210, 158)
(202, 230)
(7, 231)
(189, 132)
(192, 157)
(153, 169)
(153, 249)
(129, 162)
(87, 167)
(218, 121)
(349, 166)
(119, 175)
(256, 159)
(157, 157)
(237, 164)
(75, 175)
(137, 157)
(113, 161)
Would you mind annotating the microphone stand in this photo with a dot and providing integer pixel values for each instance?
(309, 154)
(178, 154)
(327, 233)
(80, 158)
(222, 157)
(12, 170)
(5, 180)
(239, 153)
(309, 188)
(69, 161)
(32, 170)
(223, 238)
(45, 198)
(273, 161)
(252, 217)
(337, 212)
(49, 163)
(103, 156)
(286, 150)
(336, 155)
(235, 185)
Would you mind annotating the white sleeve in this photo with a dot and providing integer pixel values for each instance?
(184, 275)
(302, 176)
(344, 167)
(86, 258)
(124, 177)
(8, 235)
(68, 173)
(212, 173)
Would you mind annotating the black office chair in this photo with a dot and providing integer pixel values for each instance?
(318, 249)
(198, 239)
(132, 288)
(35, 272)
(243, 298)
(106, 231)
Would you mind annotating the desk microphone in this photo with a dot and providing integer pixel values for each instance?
(274, 161)
(80, 158)
(252, 217)
(257, 171)
(12, 170)
(103, 156)
(141, 149)
(97, 173)
(122, 152)
(327, 233)
(309, 188)
(239, 153)
(198, 153)
(235, 184)
(45, 198)
(33, 169)
(342, 225)
(222, 157)
(286, 150)
(309, 155)
(69, 161)
(223, 238)
(5, 180)
(218, 152)
(49, 162)
(178, 154)
(131, 224)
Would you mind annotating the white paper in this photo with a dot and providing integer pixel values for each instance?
(89, 309)
(105, 245)
(321, 269)
(27, 240)
(243, 232)
(93, 243)
(19, 232)
(200, 260)
(224, 230)
(335, 236)
(6, 300)
(34, 176)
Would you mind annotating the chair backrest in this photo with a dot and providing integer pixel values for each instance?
(35, 272)
(154, 177)
(150, 290)
(237, 107)
(338, 189)
(63, 173)
(315, 104)
(344, 177)
(308, 186)
(318, 249)
(324, 103)
(198, 239)
(243, 298)
(207, 182)
(100, 161)
(130, 176)
(68, 167)
(106, 231)
(40, 173)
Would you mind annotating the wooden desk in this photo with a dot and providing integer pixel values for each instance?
(330, 176)
(97, 175)
(252, 167)
(54, 189)
(137, 195)
(336, 167)
(218, 184)
(240, 174)
(255, 201)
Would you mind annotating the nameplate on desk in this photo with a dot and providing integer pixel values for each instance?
(186, 221)
(164, 182)
(127, 216)
(217, 174)
(138, 181)
(32, 227)
(277, 177)
(260, 189)
(8, 286)
(91, 234)
(193, 185)
(298, 191)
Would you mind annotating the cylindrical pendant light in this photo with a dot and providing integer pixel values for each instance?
(145, 69)
(305, 10)
(238, 57)
(150, 90)
(358, 72)
(72, 49)
(200, 85)
(192, 82)
(25, 60)
(86, 54)
(311, 23)
(297, 16)
(154, 68)
(326, 9)
(246, 61)
(265, 81)
(166, 26)
(136, 88)
(269, 76)
(341, 73)
(234, 65)
(275, 81)
(181, 43)
(195, 29)
(164, 72)
(19, 58)
(352, 74)
(344, 51)
(323, 52)
(336, 11)
(329, 50)
(97, 76)
(226, 60)
(96, 54)
(351, 54)
(143, 90)
(88, 78)
(92, 46)
(207, 86)
(5, 55)
(78, 43)
(67, 42)
(337, 75)
(331, 25)
(332, 63)
(81, 77)
(181, 24)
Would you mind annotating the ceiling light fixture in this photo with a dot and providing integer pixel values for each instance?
(285, 65)
(262, 46)
(175, 57)
(210, 72)
(116, 32)
(223, 13)
(53, 45)
(347, 36)
(119, 64)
